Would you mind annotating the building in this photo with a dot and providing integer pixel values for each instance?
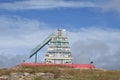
(59, 50)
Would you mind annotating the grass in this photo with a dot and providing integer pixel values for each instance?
(4, 72)
(38, 78)
(66, 73)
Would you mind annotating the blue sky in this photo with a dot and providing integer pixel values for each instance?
(92, 26)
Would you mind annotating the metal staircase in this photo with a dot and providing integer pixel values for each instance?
(40, 46)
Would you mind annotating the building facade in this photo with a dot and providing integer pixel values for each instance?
(59, 50)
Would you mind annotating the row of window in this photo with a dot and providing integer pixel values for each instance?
(60, 38)
(59, 46)
(59, 43)
(59, 61)
(65, 53)
(67, 49)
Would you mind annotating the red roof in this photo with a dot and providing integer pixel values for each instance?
(85, 66)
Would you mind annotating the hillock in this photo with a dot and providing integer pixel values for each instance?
(57, 73)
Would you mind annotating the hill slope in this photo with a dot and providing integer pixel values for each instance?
(57, 73)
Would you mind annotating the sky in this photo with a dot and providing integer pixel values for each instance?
(92, 26)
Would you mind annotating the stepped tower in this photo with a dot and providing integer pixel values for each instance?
(59, 50)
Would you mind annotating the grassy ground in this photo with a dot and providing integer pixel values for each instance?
(65, 73)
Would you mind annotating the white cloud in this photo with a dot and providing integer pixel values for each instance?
(102, 46)
(19, 35)
(44, 4)
(21, 30)
(110, 5)
(106, 5)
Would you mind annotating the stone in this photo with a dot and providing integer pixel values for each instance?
(26, 74)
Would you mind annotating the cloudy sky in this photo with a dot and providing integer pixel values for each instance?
(93, 29)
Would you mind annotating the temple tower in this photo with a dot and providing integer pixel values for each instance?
(59, 50)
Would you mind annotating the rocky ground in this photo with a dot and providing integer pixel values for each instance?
(57, 73)
(28, 76)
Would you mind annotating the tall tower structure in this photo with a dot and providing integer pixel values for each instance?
(59, 50)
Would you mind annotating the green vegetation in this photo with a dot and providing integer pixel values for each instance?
(65, 73)
(38, 78)
(4, 72)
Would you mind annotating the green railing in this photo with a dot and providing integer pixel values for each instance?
(40, 46)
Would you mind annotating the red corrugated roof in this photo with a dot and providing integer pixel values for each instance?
(87, 66)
